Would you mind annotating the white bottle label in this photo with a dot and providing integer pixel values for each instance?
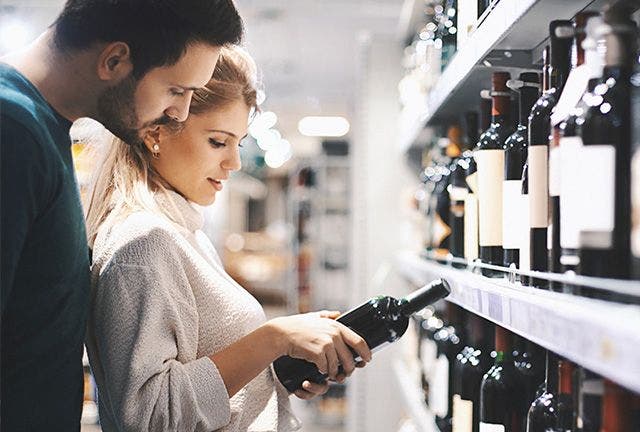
(538, 187)
(490, 178)
(471, 227)
(490, 427)
(428, 351)
(525, 239)
(462, 419)
(555, 172)
(570, 191)
(439, 398)
(512, 214)
(472, 182)
(597, 177)
(457, 193)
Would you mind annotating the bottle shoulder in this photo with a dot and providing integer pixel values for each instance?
(517, 140)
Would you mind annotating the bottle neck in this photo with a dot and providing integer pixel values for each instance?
(528, 96)
(500, 109)
(503, 345)
(423, 297)
(558, 74)
(565, 372)
(551, 377)
(615, 409)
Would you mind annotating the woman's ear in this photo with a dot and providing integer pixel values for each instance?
(152, 140)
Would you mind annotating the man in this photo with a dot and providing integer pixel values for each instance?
(130, 64)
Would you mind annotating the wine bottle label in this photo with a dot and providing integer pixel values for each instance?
(555, 172)
(462, 419)
(471, 227)
(512, 214)
(490, 427)
(597, 177)
(635, 203)
(570, 191)
(439, 399)
(490, 179)
(525, 240)
(538, 187)
(428, 351)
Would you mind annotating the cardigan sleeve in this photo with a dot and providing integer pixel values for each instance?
(141, 312)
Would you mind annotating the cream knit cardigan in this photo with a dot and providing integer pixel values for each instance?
(161, 303)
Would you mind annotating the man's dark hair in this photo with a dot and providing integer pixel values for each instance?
(158, 32)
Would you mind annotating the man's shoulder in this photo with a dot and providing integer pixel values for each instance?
(21, 105)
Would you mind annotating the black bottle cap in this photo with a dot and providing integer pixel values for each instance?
(423, 297)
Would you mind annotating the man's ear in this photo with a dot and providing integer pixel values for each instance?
(114, 62)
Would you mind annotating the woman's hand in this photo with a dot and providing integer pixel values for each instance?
(318, 338)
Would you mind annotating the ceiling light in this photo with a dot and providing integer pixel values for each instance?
(323, 126)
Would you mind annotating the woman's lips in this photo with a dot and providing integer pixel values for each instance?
(216, 184)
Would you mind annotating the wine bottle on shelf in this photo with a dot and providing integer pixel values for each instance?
(605, 129)
(530, 374)
(381, 320)
(498, 391)
(582, 80)
(471, 246)
(458, 189)
(553, 409)
(429, 351)
(616, 409)
(489, 156)
(515, 155)
(538, 153)
(448, 340)
(635, 175)
(470, 366)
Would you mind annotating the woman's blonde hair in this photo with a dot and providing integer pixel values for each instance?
(124, 179)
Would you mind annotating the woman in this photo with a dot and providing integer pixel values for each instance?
(174, 342)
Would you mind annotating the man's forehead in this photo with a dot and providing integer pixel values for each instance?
(193, 70)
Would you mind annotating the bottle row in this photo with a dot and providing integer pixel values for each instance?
(479, 377)
(552, 183)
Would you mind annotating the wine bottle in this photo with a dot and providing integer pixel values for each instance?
(498, 407)
(616, 409)
(605, 130)
(471, 247)
(489, 155)
(458, 189)
(470, 366)
(539, 132)
(582, 81)
(635, 175)
(515, 154)
(381, 320)
(448, 340)
(530, 374)
(553, 409)
(429, 352)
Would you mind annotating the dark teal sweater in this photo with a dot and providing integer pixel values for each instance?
(45, 264)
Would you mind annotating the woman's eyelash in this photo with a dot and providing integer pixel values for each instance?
(216, 143)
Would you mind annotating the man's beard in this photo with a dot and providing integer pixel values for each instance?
(117, 112)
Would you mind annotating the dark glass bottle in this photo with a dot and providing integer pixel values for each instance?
(514, 221)
(591, 63)
(458, 189)
(471, 246)
(489, 156)
(381, 320)
(498, 391)
(448, 340)
(616, 409)
(606, 138)
(471, 364)
(530, 371)
(635, 176)
(429, 352)
(538, 153)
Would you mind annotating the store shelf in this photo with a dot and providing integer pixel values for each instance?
(509, 38)
(601, 336)
(422, 417)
